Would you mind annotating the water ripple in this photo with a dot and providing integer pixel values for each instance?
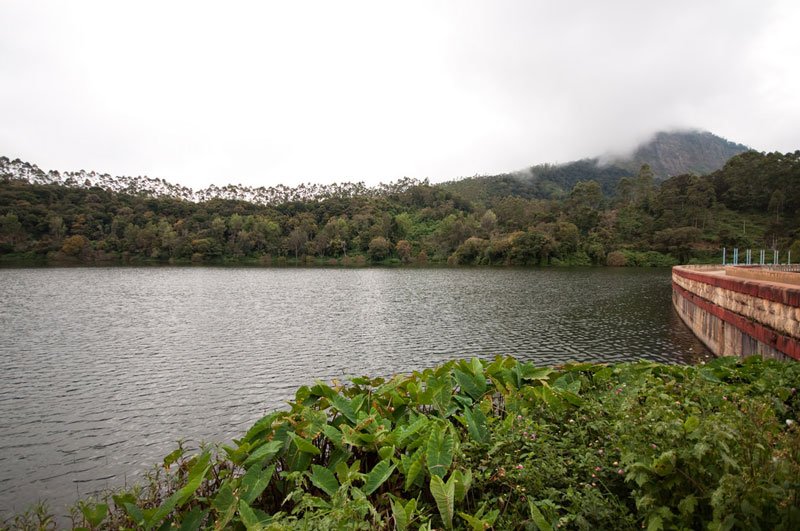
(102, 370)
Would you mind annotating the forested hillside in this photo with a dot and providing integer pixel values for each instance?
(753, 201)
(667, 154)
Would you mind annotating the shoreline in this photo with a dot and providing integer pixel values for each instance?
(508, 441)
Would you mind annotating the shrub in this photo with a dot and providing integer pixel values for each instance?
(76, 245)
(404, 250)
(379, 248)
(616, 259)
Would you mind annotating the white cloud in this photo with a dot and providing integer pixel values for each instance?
(267, 93)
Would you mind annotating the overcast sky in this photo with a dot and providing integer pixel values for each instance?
(262, 93)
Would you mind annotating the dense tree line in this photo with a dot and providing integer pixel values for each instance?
(753, 200)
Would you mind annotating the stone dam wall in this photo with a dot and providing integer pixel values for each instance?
(741, 310)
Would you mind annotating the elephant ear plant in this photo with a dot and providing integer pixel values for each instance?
(501, 444)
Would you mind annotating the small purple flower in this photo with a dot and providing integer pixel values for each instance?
(600, 452)
(519, 466)
(620, 471)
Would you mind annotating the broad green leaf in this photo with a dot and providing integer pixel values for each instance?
(261, 425)
(469, 384)
(477, 368)
(378, 475)
(410, 508)
(344, 407)
(462, 481)
(255, 481)
(265, 451)
(386, 452)
(389, 386)
(475, 523)
(194, 519)
(334, 435)
(709, 375)
(249, 518)
(487, 405)
(322, 389)
(686, 506)
(572, 398)
(463, 401)
(509, 378)
(529, 372)
(665, 464)
(301, 394)
(324, 479)
(121, 499)
(538, 518)
(551, 398)
(440, 451)
(135, 513)
(602, 374)
(655, 523)
(338, 456)
(298, 461)
(691, 424)
(94, 513)
(358, 403)
(305, 446)
(195, 478)
(783, 393)
(361, 380)
(415, 468)
(416, 426)
(173, 456)
(444, 494)
(239, 454)
(399, 513)
(225, 505)
(442, 395)
(476, 425)
(318, 420)
(163, 510)
(723, 361)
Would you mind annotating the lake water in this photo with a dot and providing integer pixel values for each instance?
(102, 370)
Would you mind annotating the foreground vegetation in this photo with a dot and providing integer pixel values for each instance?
(495, 445)
(752, 202)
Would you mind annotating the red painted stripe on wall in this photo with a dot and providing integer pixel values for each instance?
(783, 295)
(782, 343)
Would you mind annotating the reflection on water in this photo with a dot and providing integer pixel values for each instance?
(102, 370)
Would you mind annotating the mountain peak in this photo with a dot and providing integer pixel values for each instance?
(682, 151)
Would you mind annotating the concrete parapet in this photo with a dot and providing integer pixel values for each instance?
(785, 275)
(740, 310)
